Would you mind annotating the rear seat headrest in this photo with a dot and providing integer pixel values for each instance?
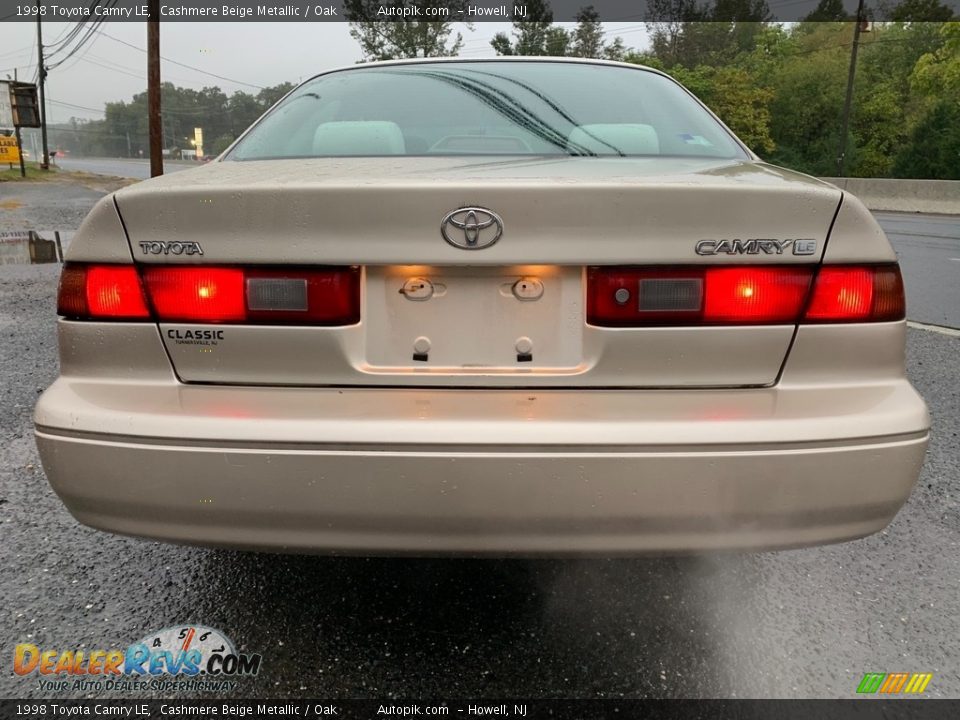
(355, 137)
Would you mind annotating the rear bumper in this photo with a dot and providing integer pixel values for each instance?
(560, 472)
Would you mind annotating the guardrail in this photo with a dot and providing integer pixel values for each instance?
(926, 196)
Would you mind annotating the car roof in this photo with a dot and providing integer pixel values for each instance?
(494, 59)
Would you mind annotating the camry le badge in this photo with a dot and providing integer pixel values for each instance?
(471, 228)
(756, 246)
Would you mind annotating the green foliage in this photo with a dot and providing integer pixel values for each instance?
(920, 11)
(808, 101)
(933, 148)
(384, 37)
(221, 143)
(586, 41)
(828, 10)
(124, 130)
(731, 93)
(781, 88)
(937, 72)
(530, 35)
(537, 35)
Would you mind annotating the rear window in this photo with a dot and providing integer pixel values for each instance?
(488, 108)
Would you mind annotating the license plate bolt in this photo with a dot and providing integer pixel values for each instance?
(528, 288)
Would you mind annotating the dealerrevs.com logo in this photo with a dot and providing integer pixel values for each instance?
(183, 658)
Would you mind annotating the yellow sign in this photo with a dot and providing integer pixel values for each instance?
(9, 152)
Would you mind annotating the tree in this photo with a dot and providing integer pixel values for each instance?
(828, 10)
(616, 49)
(732, 94)
(933, 150)
(385, 36)
(938, 72)
(270, 95)
(532, 33)
(537, 35)
(586, 41)
(920, 11)
(690, 34)
(808, 101)
(221, 144)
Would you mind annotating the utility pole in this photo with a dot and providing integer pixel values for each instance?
(42, 75)
(16, 130)
(153, 89)
(841, 156)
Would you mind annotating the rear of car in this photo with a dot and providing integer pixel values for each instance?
(483, 307)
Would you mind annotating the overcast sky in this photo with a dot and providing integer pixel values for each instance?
(260, 54)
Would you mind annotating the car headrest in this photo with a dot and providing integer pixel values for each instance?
(358, 138)
(608, 139)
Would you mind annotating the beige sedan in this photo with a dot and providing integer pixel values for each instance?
(496, 306)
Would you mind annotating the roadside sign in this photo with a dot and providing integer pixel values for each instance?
(6, 106)
(26, 108)
(9, 152)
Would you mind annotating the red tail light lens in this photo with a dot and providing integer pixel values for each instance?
(201, 294)
(103, 292)
(696, 296)
(756, 295)
(196, 294)
(857, 294)
(738, 296)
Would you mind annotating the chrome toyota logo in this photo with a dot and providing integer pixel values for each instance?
(471, 228)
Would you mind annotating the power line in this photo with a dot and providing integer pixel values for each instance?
(90, 37)
(76, 107)
(64, 39)
(17, 52)
(110, 67)
(184, 65)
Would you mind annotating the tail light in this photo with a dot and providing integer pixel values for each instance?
(755, 295)
(857, 294)
(202, 294)
(105, 292)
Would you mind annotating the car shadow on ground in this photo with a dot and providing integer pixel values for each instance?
(469, 627)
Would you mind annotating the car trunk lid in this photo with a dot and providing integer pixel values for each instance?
(560, 216)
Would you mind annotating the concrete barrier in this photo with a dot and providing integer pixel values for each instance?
(926, 196)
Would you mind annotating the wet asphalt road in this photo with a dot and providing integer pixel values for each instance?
(120, 167)
(805, 623)
(928, 248)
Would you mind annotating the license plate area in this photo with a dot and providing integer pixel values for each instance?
(474, 320)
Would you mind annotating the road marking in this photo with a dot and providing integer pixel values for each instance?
(952, 332)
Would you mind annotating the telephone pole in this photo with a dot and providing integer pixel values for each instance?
(16, 131)
(153, 89)
(42, 76)
(848, 101)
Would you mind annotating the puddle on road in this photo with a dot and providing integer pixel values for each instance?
(30, 248)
